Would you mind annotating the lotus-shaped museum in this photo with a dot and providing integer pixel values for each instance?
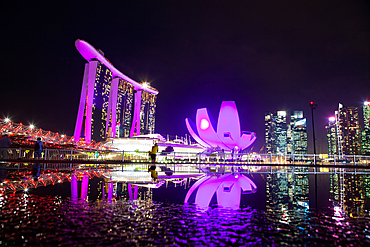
(227, 136)
(228, 189)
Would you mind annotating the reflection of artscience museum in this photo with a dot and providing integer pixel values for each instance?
(227, 135)
(227, 188)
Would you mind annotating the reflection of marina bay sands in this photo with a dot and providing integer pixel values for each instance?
(111, 104)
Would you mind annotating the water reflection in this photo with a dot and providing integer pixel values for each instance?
(226, 189)
(278, 213)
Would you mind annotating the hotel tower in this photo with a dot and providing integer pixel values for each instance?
(111, 104)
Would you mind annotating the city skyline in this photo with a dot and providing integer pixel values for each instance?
(264, 56)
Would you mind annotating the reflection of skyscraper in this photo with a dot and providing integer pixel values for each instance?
(365, 134)
(287, 190)
(354, 200)
(111, 104)
(336, 181)
(283, 138)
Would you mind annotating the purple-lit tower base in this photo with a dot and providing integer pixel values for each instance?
(74, 191)
(84, 187)
(129, 188)
(228, 189)
(110, 192)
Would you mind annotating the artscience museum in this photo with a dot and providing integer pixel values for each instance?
(226, 134)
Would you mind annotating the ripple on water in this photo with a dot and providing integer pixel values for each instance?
(50, 221)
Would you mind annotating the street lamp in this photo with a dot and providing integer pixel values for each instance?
(313, 107)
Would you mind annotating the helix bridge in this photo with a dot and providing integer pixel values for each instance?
(25, 135)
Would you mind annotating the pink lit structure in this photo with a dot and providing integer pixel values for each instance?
(227, 136)
(228, 189)
(85, 109)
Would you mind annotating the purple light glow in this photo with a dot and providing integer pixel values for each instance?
(227, 187)
(228, 135)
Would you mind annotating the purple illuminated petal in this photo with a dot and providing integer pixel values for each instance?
(190, 125)
(246, 139)
(228, 125)
(207, 134)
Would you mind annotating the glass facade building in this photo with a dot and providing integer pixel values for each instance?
(270, 134)
(125, 100)
(103, 79)
(298, 130)
(343, 132)
(147, 113)
(285, 138)
(331, 135)
(365, 134)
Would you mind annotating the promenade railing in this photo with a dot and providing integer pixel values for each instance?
(74, 155)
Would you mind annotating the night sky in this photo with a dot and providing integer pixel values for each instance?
(264, 55)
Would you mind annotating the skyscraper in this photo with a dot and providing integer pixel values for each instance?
(343, 131)
(298, 133)
(332, 137)
(365, 134)
(111, 104)
(270, 134)
(285, 138)
(281, 133)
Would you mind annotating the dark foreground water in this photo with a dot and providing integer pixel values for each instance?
(279, 214)
(32, 220)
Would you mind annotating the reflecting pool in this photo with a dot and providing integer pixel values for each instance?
(291, 207)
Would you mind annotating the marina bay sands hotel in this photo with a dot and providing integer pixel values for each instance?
(111, 104)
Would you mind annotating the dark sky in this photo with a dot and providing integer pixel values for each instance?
(264, 55)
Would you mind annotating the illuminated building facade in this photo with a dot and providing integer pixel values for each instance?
(284, 138)
(298, 133)
(125, 100)
(111, 104)
(281, 133)
(270, 135)
(349, 129)
(147, 113)
(343, 131)
(332, 137)
(365, 134)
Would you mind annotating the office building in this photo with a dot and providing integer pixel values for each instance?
(285, 138)
(270, 135)
(298, 133)
(331, 135)
(344, 131)
(365, 134)
(111, 104)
